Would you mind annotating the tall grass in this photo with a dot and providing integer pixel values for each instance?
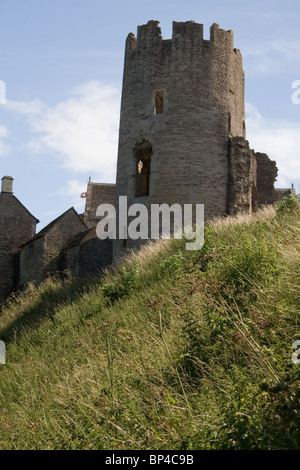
(173, 349)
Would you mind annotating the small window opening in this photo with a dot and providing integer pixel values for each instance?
(159, 102)
(140, 167)
(30, 251)
(143, 154)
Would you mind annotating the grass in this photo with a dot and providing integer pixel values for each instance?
(174, 349)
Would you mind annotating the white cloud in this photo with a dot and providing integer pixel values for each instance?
(3, 131)
(272, 57)
(280, 140)
(4, 147)
(73, 188)
(83, 130)
(288, 49)
(35, 107)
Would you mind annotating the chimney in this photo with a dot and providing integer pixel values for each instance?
(7, 185)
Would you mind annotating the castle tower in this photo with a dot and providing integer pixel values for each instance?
(182, 102)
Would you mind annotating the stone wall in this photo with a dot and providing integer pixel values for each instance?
(281, 193)
(17, 225)
(242, 193)
(97, 193)
(87, 255)
(56, 238)
(266, 175)
(32, 262)
(41, 256)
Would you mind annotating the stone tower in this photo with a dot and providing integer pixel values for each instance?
(182, 104)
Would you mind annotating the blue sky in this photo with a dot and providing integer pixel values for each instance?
(62, 63)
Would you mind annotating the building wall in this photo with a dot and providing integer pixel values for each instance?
(203, 106)
(58, 236)
(88, 258)
(97, 193)
(32, 262)
(46, 258)
(17, 226)
(281, 193)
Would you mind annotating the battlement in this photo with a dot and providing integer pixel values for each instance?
(187, 29)
(218, 35)
(149, 32)
(149, 35)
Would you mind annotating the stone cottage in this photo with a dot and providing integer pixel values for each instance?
(40, 256)
(96, 194)
(86, 255)
(17, 225)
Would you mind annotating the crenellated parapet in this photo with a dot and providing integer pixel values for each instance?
(213, 67)
(149, 36)
(220, 36)
(187, 29)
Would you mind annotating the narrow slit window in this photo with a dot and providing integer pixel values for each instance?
(142, 153)
(159, 102)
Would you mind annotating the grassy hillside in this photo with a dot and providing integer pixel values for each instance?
(175, 350)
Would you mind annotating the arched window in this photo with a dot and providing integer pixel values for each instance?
(142, 152)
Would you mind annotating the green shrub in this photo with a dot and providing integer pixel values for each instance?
(287, 204)
(121, 284)
(252, 260)
(173, 265)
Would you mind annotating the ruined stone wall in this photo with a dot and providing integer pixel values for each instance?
(242, 192)
(184, 98)
(17, 226)
(266, 175)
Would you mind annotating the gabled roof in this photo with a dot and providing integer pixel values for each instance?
(80, 237)
(99, 193)
(48, 227)
(5, 195)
